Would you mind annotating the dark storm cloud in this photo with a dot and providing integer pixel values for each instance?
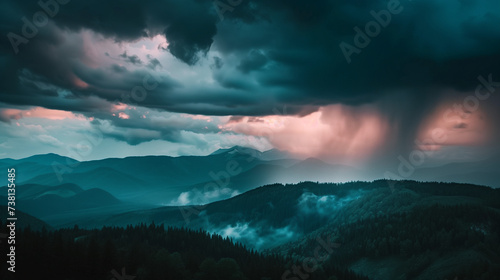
(460, 126)
(140, 126)
(153, 63)
(217, 64)
(188, 25)
(287, 53)
(428, 44)
(255, 60)
(134, 59)
(427, 49)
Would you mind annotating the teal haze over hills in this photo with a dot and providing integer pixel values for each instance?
(162, 179)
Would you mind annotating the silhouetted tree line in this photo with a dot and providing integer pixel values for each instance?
(145, 251)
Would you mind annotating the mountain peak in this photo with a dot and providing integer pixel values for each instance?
(239, 149)
(46, 158)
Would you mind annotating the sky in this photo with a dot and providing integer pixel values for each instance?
(355, 82)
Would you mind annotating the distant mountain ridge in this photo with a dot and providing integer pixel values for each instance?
(24, 220)
(165, 180)
(162, 179)
(273, 154)
(44, 201)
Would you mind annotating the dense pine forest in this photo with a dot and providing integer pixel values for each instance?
(418, 240)
(359, 230)
(144, 252)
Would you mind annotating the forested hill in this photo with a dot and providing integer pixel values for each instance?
(380, 230)
(144, 252)
(411, 230)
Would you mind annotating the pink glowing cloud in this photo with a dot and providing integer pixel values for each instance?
(453, 125)
(198, 117)
(335, 131)
(79, 83)
(38, 112)
(119, 107)
(124, 116)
